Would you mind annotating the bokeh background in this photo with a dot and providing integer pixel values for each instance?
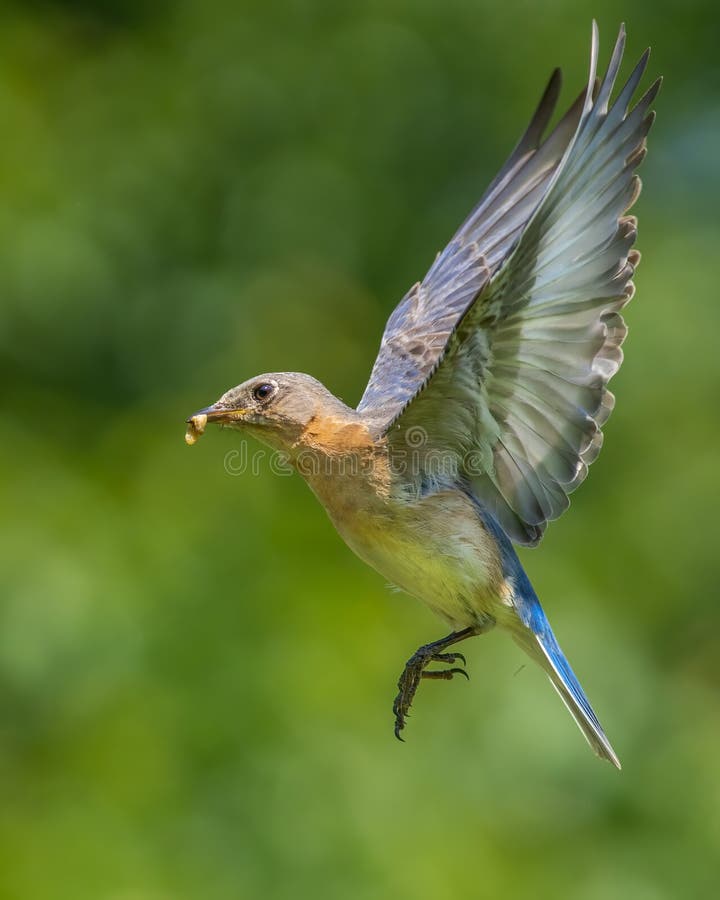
(195, 674)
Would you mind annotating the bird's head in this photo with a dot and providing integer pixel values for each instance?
(276, 408)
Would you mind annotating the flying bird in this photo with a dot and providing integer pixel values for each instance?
(486, 401)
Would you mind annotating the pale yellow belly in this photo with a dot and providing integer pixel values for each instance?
(435, 549)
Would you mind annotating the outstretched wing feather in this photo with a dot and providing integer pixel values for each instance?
(520, 394)
(418, 330)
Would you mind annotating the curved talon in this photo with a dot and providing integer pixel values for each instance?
(445, 674)
(416, 669)
(448, 658)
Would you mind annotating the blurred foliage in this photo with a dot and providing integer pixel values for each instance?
(195, 674)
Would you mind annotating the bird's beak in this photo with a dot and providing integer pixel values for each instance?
(214, 414)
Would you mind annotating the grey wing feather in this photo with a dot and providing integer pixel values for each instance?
(419, 328)
(497, 221)
(520, 395)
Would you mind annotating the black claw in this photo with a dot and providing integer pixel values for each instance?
(415, 671)
(444, 674)
(448, 658)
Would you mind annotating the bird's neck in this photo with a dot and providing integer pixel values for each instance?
(339, 459)
(336, 435)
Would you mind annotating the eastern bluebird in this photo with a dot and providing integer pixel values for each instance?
(486, 401)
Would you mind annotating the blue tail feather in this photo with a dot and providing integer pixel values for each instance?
(536, 637)
(563, 678)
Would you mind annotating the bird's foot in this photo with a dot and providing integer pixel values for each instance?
(415, 670)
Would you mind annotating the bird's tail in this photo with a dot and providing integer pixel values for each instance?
(538, 641)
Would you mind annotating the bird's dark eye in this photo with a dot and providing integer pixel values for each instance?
(263, 391)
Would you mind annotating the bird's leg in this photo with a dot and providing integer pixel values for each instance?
(416, 669)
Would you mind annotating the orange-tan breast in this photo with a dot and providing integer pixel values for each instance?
(343, 465)
(332, 435)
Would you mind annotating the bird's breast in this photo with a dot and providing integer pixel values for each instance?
(435, 547)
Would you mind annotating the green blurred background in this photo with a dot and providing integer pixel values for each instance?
(195, 674)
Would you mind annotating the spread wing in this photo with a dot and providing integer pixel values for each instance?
(418, 330)
(516, 399)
